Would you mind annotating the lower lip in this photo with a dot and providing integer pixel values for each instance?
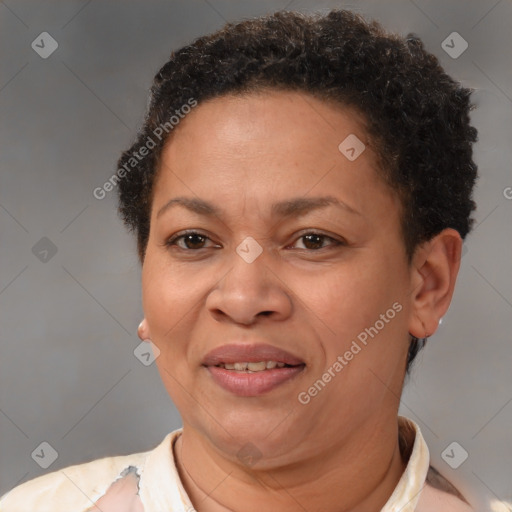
(252, 384)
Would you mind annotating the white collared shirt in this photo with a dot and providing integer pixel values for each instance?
(149, 482)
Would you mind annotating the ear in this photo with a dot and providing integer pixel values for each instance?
(434, 271)
(143, 330)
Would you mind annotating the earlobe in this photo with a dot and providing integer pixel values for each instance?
(143, 330)
(435, 268)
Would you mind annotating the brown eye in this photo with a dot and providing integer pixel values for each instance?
(188, 241)
(315, 241)
(194, 241)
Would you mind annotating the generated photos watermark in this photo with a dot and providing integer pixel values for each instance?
(150, 143)
(304, 397)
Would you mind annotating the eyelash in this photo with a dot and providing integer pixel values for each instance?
(172, 241)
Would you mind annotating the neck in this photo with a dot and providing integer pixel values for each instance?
(358, 475)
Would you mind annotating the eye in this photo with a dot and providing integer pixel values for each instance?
(194, 240)
(315, 241)
(191, 240)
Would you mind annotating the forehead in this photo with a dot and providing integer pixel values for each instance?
(268, 145)
(273, 116)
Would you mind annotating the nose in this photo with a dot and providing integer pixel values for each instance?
(250, 292)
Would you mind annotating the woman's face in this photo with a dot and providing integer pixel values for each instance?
(325, 281)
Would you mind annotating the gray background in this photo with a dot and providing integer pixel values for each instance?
(68, 373)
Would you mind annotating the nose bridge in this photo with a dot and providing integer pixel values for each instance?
(249, 273)
(250, 264)
(250, 287)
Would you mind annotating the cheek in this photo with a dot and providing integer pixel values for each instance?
(347, 302)
(366, 336)
(168, 304)
(167, 296)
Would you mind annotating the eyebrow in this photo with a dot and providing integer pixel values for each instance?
(291, 207)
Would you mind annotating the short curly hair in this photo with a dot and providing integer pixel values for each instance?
(416, 116)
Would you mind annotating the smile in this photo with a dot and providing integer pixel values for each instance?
(252, 367)
(252, 379)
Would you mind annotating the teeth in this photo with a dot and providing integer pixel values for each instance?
(256, 367)
(252, 367)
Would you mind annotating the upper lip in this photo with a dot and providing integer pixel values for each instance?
(250, 353)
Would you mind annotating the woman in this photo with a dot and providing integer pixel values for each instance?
(300, 190)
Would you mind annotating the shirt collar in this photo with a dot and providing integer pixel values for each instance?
(407, 492)
(157, 491)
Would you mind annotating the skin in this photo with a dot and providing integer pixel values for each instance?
(339, 452)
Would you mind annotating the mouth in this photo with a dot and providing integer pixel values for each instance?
(252, 370)
(260, 366)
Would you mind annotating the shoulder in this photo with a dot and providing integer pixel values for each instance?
(439, 494)
(74, 488)
(434, 500)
